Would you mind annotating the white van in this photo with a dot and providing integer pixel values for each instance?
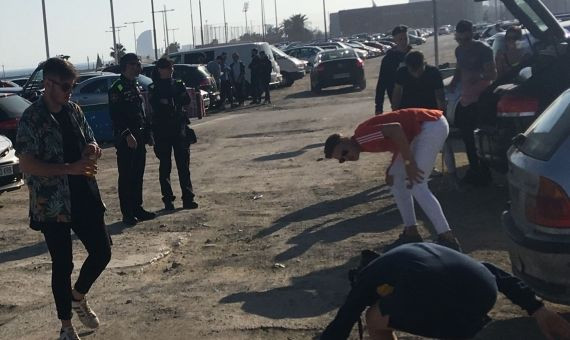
(291, 68)
(244, 50)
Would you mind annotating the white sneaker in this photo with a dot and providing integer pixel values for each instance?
(68, 333)
(85, 314)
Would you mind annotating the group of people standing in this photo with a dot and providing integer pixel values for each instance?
(428, 289)
(232, 81)
(59, 154)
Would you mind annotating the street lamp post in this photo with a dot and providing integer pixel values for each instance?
(263, 19)
(154, 30)
(245, 8)
(325, 17)
(134, 31)
(45, 27)
(225, 22)
(114, 39)
(201, 24)
(118, 30)
(276, 21)
(192, 23)
(173, 37)
(435, 33)
(165, 25)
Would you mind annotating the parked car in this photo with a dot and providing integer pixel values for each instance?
(306, 53)
(291, 68)
(8, 83)
(88, 75)
(538, 219)
(415, 40)
(337, 67)
(92, 96)
(11, 108)
(20, 81)
(10, 174)
(373, 52)
(362, 54)
(194, 76)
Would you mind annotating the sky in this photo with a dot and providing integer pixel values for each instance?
(78, 27)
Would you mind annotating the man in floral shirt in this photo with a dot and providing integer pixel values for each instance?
(58, 155)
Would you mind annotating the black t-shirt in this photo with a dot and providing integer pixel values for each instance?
(83, 201)
(419, 92)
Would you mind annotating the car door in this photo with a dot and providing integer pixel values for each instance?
(94, 101)
(93, 92)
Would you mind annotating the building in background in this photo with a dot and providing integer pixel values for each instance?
(419, 14)
(145, 45)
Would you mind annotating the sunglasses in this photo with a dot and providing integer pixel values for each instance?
(343, 154)
(134, 63)
(65, 87)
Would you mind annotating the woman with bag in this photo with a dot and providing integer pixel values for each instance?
(171, 132)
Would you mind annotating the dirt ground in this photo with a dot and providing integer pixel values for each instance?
(266, 197)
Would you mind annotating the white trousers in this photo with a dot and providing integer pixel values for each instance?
(425, 148)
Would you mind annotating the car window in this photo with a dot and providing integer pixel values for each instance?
(337, 54)
(98, 86)
(549, 130)
(531, 13)
(12, 106)
(294, 53)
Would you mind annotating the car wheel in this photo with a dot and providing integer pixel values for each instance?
(287, 81)
(361, 85)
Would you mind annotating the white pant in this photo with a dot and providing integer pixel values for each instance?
(425, 148)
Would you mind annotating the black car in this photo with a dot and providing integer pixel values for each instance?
(195, 76)
(11, 108)
(337, 67)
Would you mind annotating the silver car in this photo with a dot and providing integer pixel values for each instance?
(10, 174)
(94, 91)
(538, 220)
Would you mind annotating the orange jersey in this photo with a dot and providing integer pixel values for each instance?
(370, 138)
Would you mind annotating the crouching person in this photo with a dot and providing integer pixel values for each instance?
(433, 291)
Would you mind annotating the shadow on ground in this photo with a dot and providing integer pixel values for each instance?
(287, 155)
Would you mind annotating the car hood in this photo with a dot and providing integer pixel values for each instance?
(535, 17)
(5, 143)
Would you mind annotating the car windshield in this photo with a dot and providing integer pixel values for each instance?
(337, 54)
(550, 129)
(12, 106)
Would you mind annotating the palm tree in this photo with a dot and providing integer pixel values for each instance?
(295, 29)
(120, 50)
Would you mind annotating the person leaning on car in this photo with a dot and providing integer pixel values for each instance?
(130, 128)
(170, 131)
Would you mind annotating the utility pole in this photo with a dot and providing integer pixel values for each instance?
(3, 72)
(134, 31)
(263, 19)
(245, 8)
(192, 23)
(435, 33)
(276, 21)
(165, 25)
(114, 40)
(201, 25)
(173, 37)
(118, 30)
(45, 27)
(325, 17)
(225, 22)
(154, 30)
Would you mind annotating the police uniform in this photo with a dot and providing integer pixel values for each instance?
(128, 117)
(170, 130)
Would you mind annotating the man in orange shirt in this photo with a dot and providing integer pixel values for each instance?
(414, 137)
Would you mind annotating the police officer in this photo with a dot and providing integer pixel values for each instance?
(433, 291)
(171, 132)
(131, 133)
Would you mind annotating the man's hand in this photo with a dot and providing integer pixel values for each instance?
(91, 150)
(83, 167)
(132, 141)
(552, 325)
(415, 175)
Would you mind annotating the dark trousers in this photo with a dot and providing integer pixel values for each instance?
(163, 150)
(466, 119)
(131, 163)
(226, 93)
(238, 92)
(265, 88)
(93, 234)
(255, 88)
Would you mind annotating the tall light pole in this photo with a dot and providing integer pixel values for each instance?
(154, 30)
(192, 23)
(3, 72)
(325, 17)
(263, 19)
(276, 22)
(134, 31)
(114, 39)
(118, 30)
(165, 25)
(435, 34)
(201, 24)
(225, 22)
(173, 37)
(45, 27)
(245, 8)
